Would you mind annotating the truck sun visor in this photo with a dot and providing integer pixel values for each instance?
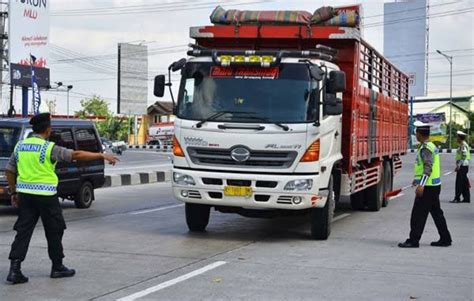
(245, 72)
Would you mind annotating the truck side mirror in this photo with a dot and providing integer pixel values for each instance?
(332, 105)
(336, 82)
(159, 86)
(178, 65)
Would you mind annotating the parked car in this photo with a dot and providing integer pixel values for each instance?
(77, 180)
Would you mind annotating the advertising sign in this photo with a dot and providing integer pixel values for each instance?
(437, 122)
(28, 35)
(133, 79)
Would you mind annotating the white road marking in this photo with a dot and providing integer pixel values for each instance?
(156, 209)
(171, 282)
(448, 173)
(338, 218)
(397, 196)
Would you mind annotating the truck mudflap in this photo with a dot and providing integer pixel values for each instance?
(254, 191)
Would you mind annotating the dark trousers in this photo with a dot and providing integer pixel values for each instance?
(428, 203)
(462, 185)
(31, 208)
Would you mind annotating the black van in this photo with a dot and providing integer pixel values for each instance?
(77, 180)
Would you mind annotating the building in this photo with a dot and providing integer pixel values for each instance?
(160, 112)
(460, 109)
(405, 40)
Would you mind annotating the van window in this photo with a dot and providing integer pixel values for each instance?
(86, 140)
(8, 139)
(62, 137)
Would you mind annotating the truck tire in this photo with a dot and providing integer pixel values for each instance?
(197, 217)
(321, 218)
(374, 194)
(357, 200)
(388, 182)
(85, 196)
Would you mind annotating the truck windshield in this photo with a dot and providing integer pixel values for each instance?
(8, 139)
(281, 94)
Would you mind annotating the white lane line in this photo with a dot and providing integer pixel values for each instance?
(338, 218)
(397, 196)
(156, 209)
(171, 282)
(448, 173)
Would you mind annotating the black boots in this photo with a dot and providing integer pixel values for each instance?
(15, 275)
(441, 243)
(61, 271)
(408, 244)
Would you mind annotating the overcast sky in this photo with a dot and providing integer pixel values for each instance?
(92, 35)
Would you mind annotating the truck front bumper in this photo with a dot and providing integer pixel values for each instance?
(267, 190)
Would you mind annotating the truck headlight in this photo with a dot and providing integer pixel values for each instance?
(299, 185)
(182, 179)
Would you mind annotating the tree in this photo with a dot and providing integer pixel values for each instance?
(112, 127)
(94, 106)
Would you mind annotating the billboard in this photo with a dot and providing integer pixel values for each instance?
(437, 122)
(28, 34)
(132, 83)
(405, 37)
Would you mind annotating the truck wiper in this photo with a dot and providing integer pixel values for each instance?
(216, 115)
(284, 127)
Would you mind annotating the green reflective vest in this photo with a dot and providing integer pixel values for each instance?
(36, 172)
(435, 177)
(459, 152)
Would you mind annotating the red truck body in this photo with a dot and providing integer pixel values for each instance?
(375, 104)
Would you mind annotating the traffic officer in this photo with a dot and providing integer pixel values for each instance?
(428, 187)
(33, 182)
(463, 156)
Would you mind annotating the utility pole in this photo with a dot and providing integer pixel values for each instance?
(450, 60)
(3, 39)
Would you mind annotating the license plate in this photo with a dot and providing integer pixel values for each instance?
(238, 191)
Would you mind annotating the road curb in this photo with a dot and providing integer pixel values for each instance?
(158, 147)
(137, 178)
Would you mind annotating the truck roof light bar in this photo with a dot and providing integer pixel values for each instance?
(278, 54)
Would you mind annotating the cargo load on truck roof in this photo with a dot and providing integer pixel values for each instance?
(348, 16)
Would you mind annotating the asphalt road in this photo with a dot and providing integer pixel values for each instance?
(133, 161)
(133, 242)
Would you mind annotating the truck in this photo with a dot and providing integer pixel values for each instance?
(284, 119)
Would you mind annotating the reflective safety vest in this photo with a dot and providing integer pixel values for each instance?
(435, 177)
(459, 152)
(36, 172)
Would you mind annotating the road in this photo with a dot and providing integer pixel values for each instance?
(133, 161)
(134, 242)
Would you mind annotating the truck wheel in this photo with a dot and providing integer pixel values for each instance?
(357, 200)
(387, 183)
(197, 217)
(321, 218)
(84, 196)
(374, 195)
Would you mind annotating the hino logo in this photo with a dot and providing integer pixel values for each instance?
(240, 154)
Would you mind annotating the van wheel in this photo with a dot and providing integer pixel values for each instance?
(321, 218)
(197, 217)
(388, 183)
(374, 194)
(84, 196)
(357, 200)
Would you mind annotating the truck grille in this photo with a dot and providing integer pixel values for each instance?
(222, 157)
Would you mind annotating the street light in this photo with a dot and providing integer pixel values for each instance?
(69, 87)
(450, 60)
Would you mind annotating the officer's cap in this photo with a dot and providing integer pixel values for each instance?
(422, 128)
(41, 119)
(461, 133)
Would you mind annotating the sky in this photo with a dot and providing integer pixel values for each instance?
(87, 35)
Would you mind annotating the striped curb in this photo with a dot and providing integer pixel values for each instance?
(164, 147)
(137, 178)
